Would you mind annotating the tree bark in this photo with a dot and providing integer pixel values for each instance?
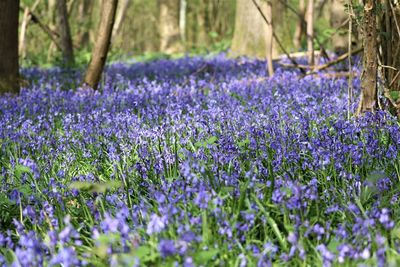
(170, 37)
(337, 21)
(368, 100)
(120, 17)
(102, 45)
(391, 46)
(249, 25)
(202, 32)
(310, 31)
(84, 21)
(65, 33)
(182, 19)
(9, 67)
(269, 42)
(299, 32)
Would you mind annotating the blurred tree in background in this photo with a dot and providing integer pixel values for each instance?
(64, 32)
(157, 27)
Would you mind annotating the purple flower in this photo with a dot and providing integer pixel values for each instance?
(156, 224)
(202, 199)
(167, 248)
(66, 257)
(327, 256)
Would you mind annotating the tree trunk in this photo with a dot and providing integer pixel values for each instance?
(368, 100)
(269, 39)
(65, 33)
(170, 37)
(299, 32)
(202, 32)
(102, 45)
(24, 26)
(310, 31)
(249, 25)
(120, 17)
(391, 46)
(182, 19)
(9, 67)
(338, 17)
(84, 21)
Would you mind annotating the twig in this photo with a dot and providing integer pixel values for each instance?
(276, 37)
(333, 74)
(53, 35)
(394, 79)
(294, 11)
(395, 18)
(300, 66)
(387, 67)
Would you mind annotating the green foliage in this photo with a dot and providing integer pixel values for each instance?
(96, 187)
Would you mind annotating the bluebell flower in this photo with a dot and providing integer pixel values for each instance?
(167, 248)
(155, 225)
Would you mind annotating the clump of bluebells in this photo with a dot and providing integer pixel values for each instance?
(195, 162)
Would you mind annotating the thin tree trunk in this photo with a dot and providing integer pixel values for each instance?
(24, 25)
(310, 31)
(51, 10)
(170, 37)
(9, 67)
(84, 20)
(120, 17)
(202, 33)
(350, 81)
(299, 32)
(51, 6)
(65, 33)
(269, 41)
(338, 20)
(102, 45)
(182, 19)
(370, 63)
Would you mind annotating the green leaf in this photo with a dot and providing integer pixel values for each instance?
(333, 244)
(21, 169)
(142, 252)
(95, 187)
(244, 143)
(395, 95)
(375, 176)
(396, 232)
(213, 34)
(227, 189)
(25, 189)
(209, 141)
(203, 257)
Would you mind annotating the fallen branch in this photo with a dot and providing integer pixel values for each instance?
(337, 60)
(333, 75)
(323, 66)
(297, 54)
(299, 66)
